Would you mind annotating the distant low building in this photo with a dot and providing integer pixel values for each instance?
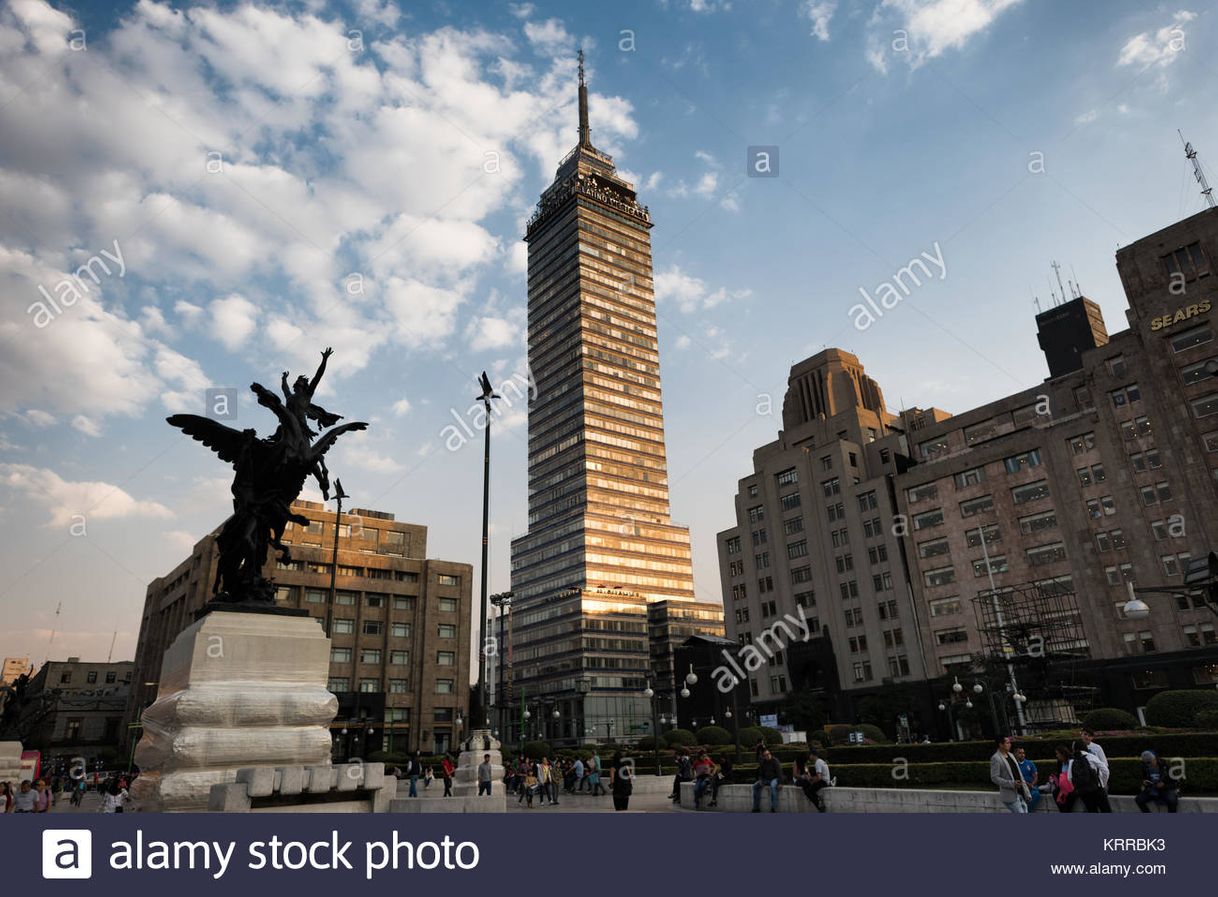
(73, 708)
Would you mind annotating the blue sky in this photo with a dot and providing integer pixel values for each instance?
(370, 190)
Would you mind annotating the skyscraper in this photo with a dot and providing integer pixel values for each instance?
(601, 543)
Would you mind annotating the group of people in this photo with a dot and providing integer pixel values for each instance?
(1080, 773)
(810, 774)
(40, 796)
(528, 778)
(415, 770)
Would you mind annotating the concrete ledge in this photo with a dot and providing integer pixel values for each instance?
(456, 804)
(264, 788)
(791, 799)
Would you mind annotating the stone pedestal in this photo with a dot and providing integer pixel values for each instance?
(465, 781)
(236, 690)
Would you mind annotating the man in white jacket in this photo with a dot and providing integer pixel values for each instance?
(1092, 747)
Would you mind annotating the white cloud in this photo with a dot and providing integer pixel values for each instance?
(549, 37)
(356, 451)
(39, 418)
(492, 333)
(180, 540)
(930, 27)
(691, 293)
(67, 501)
(85, 425)
(1160, 48)
(1087, 117)
(401, 407)
(819, 13)
(233, 319)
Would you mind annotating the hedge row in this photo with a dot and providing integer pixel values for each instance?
(1182, 744)
(1199, 775)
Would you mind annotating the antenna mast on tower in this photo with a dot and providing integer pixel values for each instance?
(51, 640)
(1191, 154)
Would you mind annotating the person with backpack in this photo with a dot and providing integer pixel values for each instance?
(1158, 785)
(1004, 772)
(1092, 747)
(621, 782)
(1060, 785)
(1085, 777)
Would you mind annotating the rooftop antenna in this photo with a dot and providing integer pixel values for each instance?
(1051, 293)
(1035, 298)
(1057, 269)
(1191, 154)
(1076, 282)
(585, 132)
(110, 655)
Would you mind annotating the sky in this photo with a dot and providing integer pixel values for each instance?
(252, 182)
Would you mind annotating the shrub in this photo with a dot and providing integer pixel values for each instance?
(714, 735)
(1109, 719)
(535, 750)
(679, 738)
(1179, 709)
(648, 743)
(771, 736)
(749, 736)
(1207, 719)
(841, 734)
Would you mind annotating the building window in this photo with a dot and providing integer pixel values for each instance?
(1116, 366)
(1175, 564)
(343, 627)
(788, 477)
(347, 599)
(739, 592)
(1138, 427)
(1153, 495)
(882, 582)
(862, 671)
(756, 514)
(111, 677)
(448, 579)
(752, 489)
(858, 644)
(940, 576)
(1046, 554)
(801, 574)
(732, 545)
(375, 599)
(399, 630)
(761, 561)
(373, 627)
(953, 636)
(1195, 373)
(394, 542)
(338, 684)
(991, 533)
(971, 477)
(759, 537)
(790, 501)
(1082, 443)
(406, 575)
(370, 655)
(797, 549)
(446, 630)
(446, 658)
(314, 596)
(399, 658)
(1126, 395)
(91, 677)
(1206, 405)
(867, 501)
(403, 602)
(398, 686)
(831, 487)
(1194, 336)
(1035, 523)
(836, 512)
(793, 525)
(845, 563)
(877, 554)
(826, 462)
(928, 519)
(444, 686)
(978, 505)
(1187, 262)
(1029, 492)
(806, 599)
(448, 605)
(923, 493)
(996, 565)
(943, 607)
(340, 655)
(1023, 461)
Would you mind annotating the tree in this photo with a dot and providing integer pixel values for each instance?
(803, 711)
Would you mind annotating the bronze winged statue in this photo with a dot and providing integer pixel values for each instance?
(269, 474)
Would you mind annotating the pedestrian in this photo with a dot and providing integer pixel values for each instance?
(722, 776)
(550, 780)
(115, 798)
(429, 776)
(486, 775)
(447, 768)
(579, 774)
(1093, 748)
(1086, 777)
(25, 798)
(621, 782)
(1158, 785)
(528, 787)
(1006, 775)
(704, 770)
(1064, 794)
(594, 775)
(43, 799)
(685, 773)
(414, 769)
(813, 777)
(6, 794)
(769, 775)
(1031, 776)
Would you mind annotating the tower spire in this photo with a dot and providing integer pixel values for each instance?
(585, 138)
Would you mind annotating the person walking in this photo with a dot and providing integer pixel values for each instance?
(447, 768)
(486, 775)
(594, 775)
(1031, 776)
(1085, 776)
(579, 775)
(551, 785)
(1064, 795)
(414, 769)
(769, 775)
(813, 777)
(1004, 773)
(529, 786)
(621, 782)
(1092, 747)
(115, 798)
(1158, 785)
(25, 798)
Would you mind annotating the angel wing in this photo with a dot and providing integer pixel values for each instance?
(224, 441)
(322, 445)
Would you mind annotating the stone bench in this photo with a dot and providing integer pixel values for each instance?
(342, 788)
(791, 799)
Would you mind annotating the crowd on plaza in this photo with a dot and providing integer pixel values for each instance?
(1079, 772)
(42, 794)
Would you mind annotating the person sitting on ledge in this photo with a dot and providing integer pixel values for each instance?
(1158, 785)
(769, 775)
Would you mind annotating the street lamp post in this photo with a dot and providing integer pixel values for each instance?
(503, 603)
(482, 712)
(339, 495)
(650, 693)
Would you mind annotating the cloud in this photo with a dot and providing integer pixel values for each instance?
(549, 37)
(918, 30)
(690, 293)
(180, 540)
(67, 502)
(819, 13)
(401, 407)
(1087, 117)
(492, 333)
(85, 425)
(233, 320)
(1160, 48)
